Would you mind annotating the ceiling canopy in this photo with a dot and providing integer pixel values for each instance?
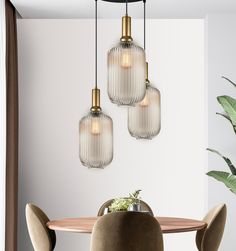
(155, 8)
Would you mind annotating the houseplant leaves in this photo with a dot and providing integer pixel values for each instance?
(229, 106)
(228, 179)
(229, 81)
(123, 203)
(227, 160)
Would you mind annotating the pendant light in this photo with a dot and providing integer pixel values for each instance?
(144, 119)
(126, 68)
(96, 129)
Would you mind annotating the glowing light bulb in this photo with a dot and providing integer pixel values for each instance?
(126, 59)
(144, 102)
(95, 129)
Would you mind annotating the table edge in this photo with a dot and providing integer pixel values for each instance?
(187, 229)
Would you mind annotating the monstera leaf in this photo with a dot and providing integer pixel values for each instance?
(227, 160)
(229, 106)
(228, 179)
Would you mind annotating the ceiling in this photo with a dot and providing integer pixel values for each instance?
(155, 8)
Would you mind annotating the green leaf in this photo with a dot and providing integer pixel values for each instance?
(227, 160)
(229, 81)
(135, 194)
(229, 106)
(120, 204)
(228, 179)
(225, 116)
(228, 118)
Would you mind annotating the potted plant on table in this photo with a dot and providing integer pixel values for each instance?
(228, 178)
(132, 202)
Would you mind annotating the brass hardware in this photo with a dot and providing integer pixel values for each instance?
(96, 100)
(147, 80)
(126, 29)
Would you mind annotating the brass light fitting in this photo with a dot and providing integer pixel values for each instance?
(126, 29)
(96, 100)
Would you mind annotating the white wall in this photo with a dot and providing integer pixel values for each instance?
(221, 58)
(56, 73)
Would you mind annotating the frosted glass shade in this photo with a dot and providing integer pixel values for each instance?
(96, 140)
(144, 119)
(126, 74)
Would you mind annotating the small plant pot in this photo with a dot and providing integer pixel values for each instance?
(135, 207)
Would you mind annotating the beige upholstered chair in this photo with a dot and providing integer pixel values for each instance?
(42, 238)
(209, 238)
(127, 231)
(144, 206)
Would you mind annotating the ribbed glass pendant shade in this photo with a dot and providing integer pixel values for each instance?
(96, 140)
(96, 129)
(126, 74)
(126, 69)
(144, 120)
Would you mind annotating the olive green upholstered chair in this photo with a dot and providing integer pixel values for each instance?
(42, 238)
(144, 207)
(209, 238)
(127, 231)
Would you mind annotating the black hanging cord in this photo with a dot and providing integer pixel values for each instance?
(96, 43)
(126, 7)
(144, 19)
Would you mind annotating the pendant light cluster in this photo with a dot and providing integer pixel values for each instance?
(128, 85)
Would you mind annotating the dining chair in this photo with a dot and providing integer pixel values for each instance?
(42, 238)
(144, 207)
(209, 238)
(127, 231)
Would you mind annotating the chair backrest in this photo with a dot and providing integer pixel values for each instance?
(129, 231)
(42, 238)
(210, 237)
(144, 207)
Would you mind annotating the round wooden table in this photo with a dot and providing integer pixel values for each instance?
(85, 225)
